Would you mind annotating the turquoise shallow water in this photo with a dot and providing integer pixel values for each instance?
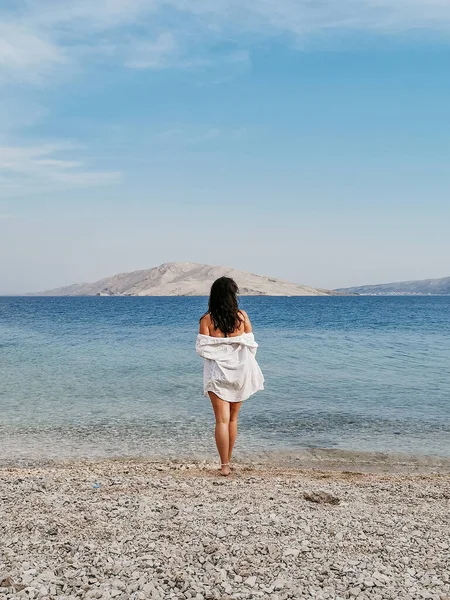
(94, 377)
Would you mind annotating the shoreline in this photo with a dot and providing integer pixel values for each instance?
(330, 459)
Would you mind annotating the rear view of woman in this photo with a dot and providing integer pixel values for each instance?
(231, 373)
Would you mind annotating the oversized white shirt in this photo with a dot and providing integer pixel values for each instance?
(230, 367)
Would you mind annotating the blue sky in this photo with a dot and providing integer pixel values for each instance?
(308, 140)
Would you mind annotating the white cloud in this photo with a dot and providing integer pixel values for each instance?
(35, 169)
(187, 137)
(17, 112)
(98, 15)
(40, 35)
(191, 136)
(155, 54)
(26, 56)
(304, 17)
(41, 40)
(182, 138)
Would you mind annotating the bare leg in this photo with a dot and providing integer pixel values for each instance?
(232, 428)
(222, 414)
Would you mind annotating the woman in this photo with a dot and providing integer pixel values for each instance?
(231, 373)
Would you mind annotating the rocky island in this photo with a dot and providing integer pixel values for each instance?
(185, 279)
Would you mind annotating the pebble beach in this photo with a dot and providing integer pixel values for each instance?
(136, 529)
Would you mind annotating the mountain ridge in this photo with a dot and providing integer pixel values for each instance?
(184, 279)
(419, 287)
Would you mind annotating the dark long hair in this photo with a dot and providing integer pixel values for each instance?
(223, 305)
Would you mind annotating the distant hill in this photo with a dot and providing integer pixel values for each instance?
(423, 287)
(184, 279)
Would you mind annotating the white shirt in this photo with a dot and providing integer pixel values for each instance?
(230, 369)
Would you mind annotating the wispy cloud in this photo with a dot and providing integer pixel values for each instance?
(156, 54)
(305, 17)
(19, 111)
(41, 35)
(38, 169)
(178, 136)
(43, 40)
(26, 55)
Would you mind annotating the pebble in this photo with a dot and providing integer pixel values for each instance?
(278, 584)
(162, 532)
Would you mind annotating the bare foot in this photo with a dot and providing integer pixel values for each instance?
(225, 470)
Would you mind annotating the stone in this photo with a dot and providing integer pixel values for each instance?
(27, 578)
(321, 498)
(148, 588)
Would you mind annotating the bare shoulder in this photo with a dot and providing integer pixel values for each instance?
(244, 314)
(205, 323)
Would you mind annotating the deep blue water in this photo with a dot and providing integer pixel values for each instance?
(119, 376)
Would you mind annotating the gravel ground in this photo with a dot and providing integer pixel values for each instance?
(132, 530)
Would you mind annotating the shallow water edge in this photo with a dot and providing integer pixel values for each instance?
(320, 459)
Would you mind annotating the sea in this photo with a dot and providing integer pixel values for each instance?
(96, 377)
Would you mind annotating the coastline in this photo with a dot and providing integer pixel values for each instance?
(332, 459)
(133, 529)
